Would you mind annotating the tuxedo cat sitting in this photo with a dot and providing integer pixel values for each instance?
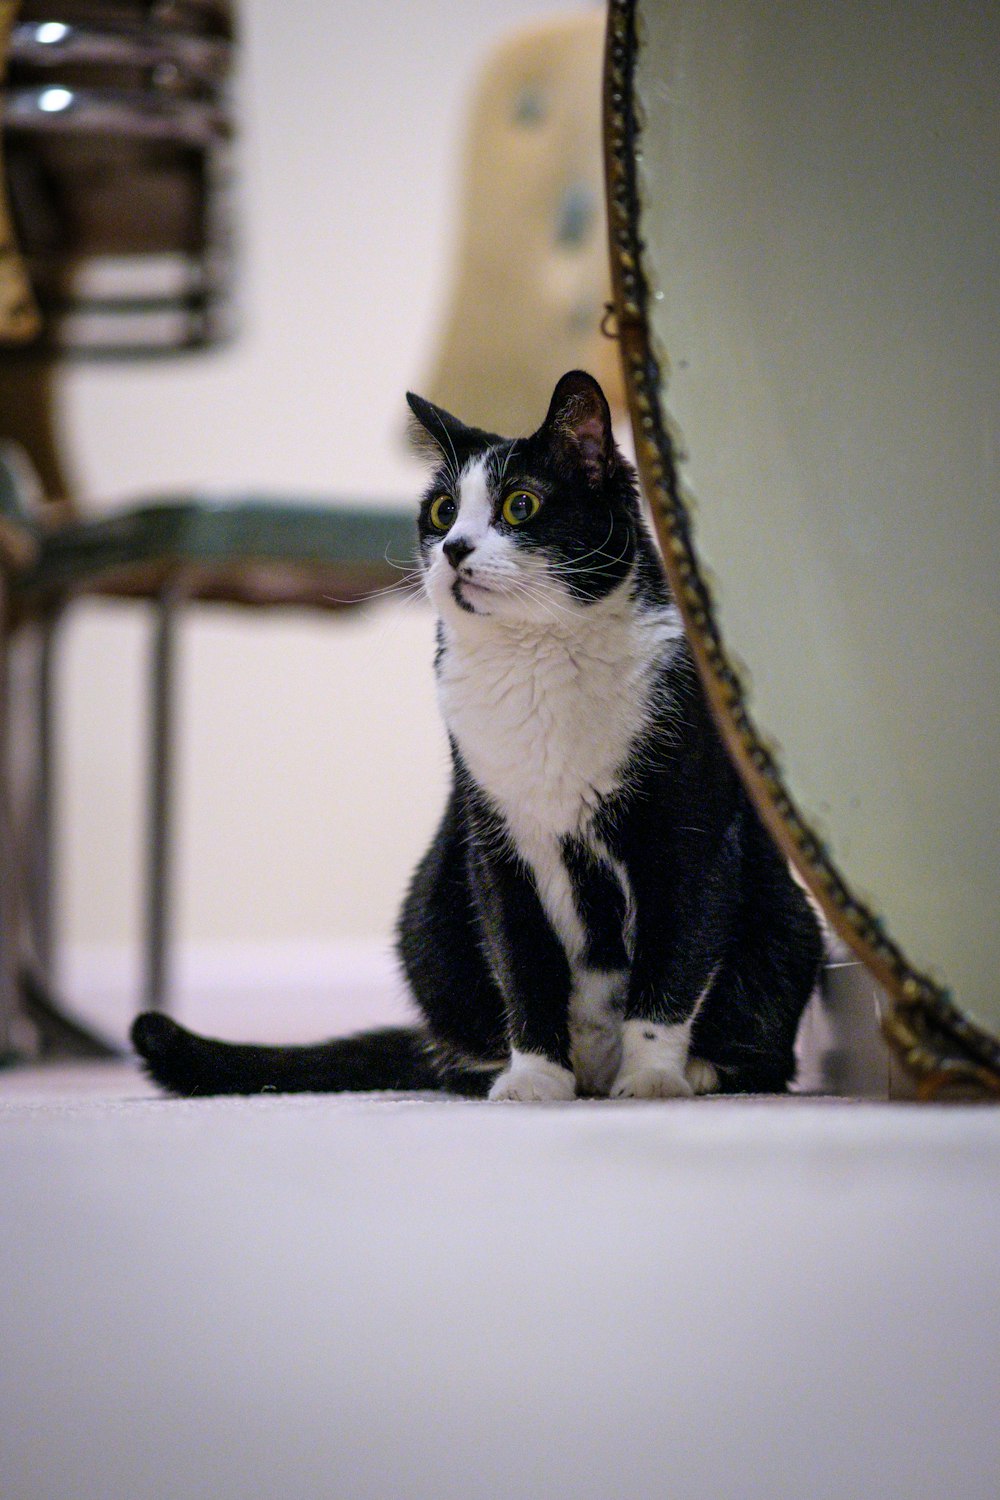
(600, 911)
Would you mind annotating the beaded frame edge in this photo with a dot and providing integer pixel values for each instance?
(942, 1049)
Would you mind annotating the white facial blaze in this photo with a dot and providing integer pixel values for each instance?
(496, 579)
(475, 508)
(473, 527)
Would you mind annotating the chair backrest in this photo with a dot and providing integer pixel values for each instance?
(116, 121)
(19, 319)
(532, 279)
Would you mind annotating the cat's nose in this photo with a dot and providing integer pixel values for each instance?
(457, 550)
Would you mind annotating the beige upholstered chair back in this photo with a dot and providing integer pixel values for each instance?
(531, 279)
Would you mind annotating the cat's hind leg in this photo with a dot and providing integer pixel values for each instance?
(701, 1075)
(747, 1027)
(441, 953)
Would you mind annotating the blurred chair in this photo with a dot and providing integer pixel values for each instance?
(529, 294)
(532, 277)
(119, 126)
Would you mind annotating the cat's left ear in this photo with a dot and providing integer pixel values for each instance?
(579, 424)
(435, 431)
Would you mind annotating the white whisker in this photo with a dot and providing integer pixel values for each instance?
(503, 471)
(411, 586)
(454, 469)
(403, 567)
(533, 591)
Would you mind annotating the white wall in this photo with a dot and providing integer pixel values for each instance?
(312, 767)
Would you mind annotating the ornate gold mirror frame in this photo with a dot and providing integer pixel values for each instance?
(940, 1047)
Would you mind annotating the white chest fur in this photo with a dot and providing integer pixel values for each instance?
(545, 717)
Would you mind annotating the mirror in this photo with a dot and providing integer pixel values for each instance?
(804, 247)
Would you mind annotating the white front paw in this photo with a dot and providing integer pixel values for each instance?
(651, 1083)
(534, 1080)
(653, 1057)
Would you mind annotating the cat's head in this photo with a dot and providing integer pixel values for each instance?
(527, 530)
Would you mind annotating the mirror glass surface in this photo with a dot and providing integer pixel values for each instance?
(819, 206)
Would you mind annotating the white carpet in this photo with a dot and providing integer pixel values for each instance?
(332, 1297)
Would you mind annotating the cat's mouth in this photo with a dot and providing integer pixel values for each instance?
(466, 592)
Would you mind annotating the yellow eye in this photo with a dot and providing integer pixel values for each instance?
(443, 512)
(520, 506)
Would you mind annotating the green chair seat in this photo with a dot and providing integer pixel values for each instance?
(255, 551)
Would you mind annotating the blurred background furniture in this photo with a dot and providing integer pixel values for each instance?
(119, 126)
(118, 129)
(143, 97)
(531, 280)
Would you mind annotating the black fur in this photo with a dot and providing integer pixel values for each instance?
(395, 1057)
(712, 903)
(603, 524)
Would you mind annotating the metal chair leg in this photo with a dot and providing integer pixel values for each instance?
(41, 887)
(8, 860)
(27, 926)
(155, 978)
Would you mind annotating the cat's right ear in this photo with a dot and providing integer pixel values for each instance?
(437, 434)
(578, 425)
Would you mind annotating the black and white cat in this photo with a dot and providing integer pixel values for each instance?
(600, 912)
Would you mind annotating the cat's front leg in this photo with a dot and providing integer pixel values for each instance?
(654, 1061)
(533, 975)
(655, 1055)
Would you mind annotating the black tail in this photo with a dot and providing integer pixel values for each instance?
(396, 1057)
